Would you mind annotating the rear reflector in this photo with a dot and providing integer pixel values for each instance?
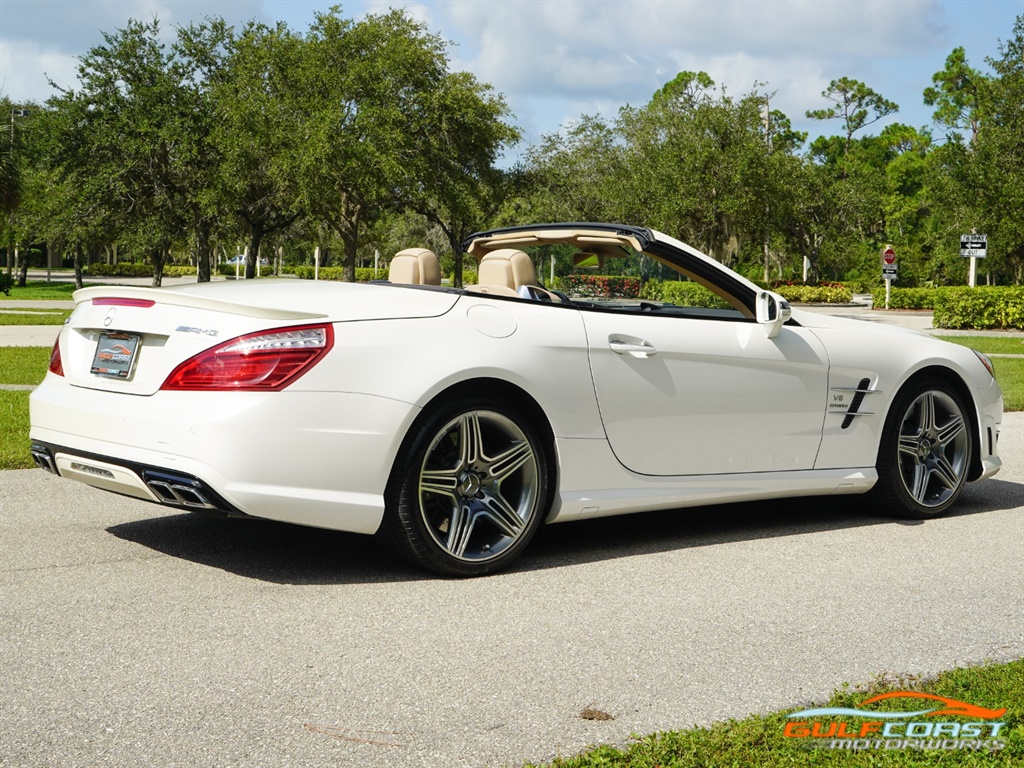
(265, 361)
(111, 302)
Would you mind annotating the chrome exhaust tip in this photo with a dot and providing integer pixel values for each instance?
(178, 491)
(43, 458)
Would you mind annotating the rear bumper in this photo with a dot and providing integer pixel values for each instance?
(311, 458)
(133, 479)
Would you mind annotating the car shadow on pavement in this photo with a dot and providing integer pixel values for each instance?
(663, 531)
(292, 554)
(268, 550)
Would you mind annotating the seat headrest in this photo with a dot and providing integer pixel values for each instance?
(507, 267)
(415, 266)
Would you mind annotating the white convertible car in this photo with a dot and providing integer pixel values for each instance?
(452, 423)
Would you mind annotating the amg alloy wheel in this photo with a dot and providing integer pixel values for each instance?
(926, 450)
(473, 490)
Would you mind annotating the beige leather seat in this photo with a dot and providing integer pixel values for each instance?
(508, 272)
(415, 266)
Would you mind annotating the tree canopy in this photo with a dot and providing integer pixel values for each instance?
(222, 133)
(356, 135)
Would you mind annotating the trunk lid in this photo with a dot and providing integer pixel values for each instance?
(139, 335)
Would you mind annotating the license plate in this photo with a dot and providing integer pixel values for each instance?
(115, 354)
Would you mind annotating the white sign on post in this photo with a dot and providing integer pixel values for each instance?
(974, 247)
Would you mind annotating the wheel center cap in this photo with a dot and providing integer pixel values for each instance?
(925, 448)
(469, 484)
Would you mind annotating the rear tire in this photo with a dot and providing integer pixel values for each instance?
(469, 489)
(924, 456)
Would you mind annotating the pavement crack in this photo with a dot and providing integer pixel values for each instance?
(345, 734)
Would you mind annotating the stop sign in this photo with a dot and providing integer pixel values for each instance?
(889, 256)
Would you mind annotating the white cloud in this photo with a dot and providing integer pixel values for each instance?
(578, 47)
(45, 37)
(25, 66)
(581, 52)
(556, 59)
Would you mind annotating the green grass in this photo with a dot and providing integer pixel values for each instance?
(990, 345)
(23, 365)
(14, 445)
(1010, 375)
(18, 365)
(1009, 370)
(40, 290)
(758, 740)
(33, 316)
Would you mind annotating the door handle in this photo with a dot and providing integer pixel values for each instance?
(639, 348)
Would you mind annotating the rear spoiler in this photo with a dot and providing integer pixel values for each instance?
(174, 298)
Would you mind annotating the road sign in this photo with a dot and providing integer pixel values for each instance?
(889, 255)
(974, 245)
(888, 271)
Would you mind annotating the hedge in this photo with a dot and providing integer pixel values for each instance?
(176, 270)
(363, 274)
(695, 295)
(127, 269)
(121, 269)
(602, 286)
(979, 308)
(961, 307)
(824, 293)
(905, 298)
(469, 277)
(682, 294)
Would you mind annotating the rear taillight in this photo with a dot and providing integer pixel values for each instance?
(269, 360)
(55, 364)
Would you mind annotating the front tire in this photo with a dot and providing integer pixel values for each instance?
(469, 488)
(925, 452)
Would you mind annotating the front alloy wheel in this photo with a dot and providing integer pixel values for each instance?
(933, 449)
(473, 490)
(926, 450)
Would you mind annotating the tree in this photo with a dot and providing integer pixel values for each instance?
(702, 167)
(576, 174)
(957, 95)
(10, 176)
(201, 52)
(980, 185)
(461, 188)
(358, 104)
(10, 183)
(136, 136)
(252, 137)
(1000, 152)
(855, 104)
(686, 90)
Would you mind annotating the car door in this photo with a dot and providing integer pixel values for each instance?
(683, 395)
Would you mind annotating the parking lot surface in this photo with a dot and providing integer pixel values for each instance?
(131, 634)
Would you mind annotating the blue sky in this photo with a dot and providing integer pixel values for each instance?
(554, 60)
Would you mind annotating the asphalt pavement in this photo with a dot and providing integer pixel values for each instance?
(132, 635)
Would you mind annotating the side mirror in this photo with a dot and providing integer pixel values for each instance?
(772, 312)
